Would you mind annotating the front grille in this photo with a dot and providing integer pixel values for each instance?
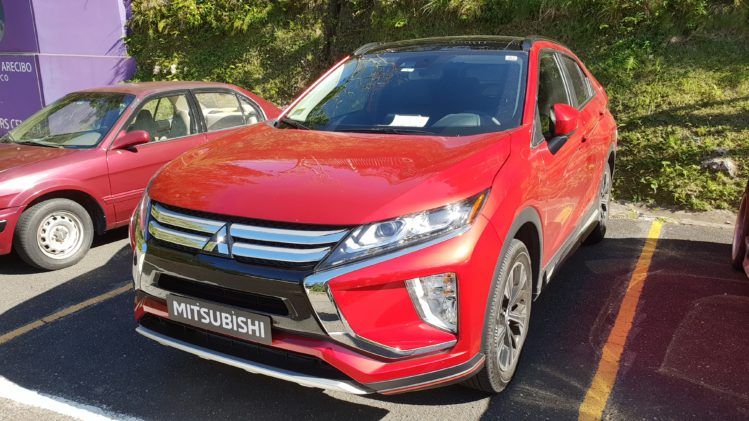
(245, 300)
(249, 241)
(273, 357)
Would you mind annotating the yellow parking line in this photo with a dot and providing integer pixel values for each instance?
(603, 381)
(62, 313)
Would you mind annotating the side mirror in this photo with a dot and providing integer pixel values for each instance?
(129, 140)
(566, 119)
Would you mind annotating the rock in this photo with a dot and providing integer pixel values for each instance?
(720, 152)
(721, 164)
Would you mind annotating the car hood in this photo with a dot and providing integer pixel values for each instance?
(14, 156)
(329, 178)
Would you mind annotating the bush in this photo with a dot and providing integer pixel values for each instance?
(677, 71)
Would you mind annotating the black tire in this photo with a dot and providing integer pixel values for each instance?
(598, 233)
(26, 240)
(493, 377)
(740, 232)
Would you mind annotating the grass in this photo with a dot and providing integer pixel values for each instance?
(682, 105)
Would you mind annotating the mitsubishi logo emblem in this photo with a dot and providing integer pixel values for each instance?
(220, 242)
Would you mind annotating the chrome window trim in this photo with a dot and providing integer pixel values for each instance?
(252, 367)
(335, 324)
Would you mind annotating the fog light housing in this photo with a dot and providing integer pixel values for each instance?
(436, 300)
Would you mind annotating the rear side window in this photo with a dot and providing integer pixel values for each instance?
(580, 83)
(550, 91)
(221, 110)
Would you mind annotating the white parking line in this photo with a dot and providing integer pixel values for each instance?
(18, 394)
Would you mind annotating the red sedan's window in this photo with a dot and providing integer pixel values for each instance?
(221, 110)
(78, 120)
(165, 118)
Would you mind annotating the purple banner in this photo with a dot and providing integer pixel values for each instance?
(80, 27)
(17, 33)
(20, 95)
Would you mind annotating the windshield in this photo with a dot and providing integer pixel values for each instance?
(447, 93)
(78, 120)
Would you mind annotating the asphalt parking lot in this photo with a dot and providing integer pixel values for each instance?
(685, 350)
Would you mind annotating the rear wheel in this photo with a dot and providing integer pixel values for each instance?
(604, 205)
(509, 317)
(53, 234)
(738, 249)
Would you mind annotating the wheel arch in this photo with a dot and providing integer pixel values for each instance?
(92, 206)
(527, 228)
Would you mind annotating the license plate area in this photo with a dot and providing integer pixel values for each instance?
(219, 318)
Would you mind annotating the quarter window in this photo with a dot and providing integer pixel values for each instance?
(579, 81)
(250, 112)
(550, 91)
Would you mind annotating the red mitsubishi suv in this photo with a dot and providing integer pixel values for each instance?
(390, 230)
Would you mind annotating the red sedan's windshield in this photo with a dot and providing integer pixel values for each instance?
(78, 120)
(448, 93)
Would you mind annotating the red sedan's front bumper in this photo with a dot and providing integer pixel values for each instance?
(8, 219)
(402, 353)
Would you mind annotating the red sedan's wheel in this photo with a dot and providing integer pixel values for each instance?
(738, 250)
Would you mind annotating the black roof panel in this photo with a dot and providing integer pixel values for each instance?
(474, 42)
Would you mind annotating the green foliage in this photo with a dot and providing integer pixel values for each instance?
(677, 71)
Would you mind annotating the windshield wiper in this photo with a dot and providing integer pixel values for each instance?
(293, 123)
(37, 142)
(385, 129)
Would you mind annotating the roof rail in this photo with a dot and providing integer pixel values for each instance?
(366, 47)
(531, 39)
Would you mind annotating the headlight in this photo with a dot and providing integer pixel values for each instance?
(381, 237)
(139, 221)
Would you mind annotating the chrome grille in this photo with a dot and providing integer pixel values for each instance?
(243, 241)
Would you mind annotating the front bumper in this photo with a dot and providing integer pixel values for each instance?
(364, 325)
(8, 219)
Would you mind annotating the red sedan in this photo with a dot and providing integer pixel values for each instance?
(390, 230)
(79, 166)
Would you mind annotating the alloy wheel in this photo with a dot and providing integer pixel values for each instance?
(605, 197)
(514, 315)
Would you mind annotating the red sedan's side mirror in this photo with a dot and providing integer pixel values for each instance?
(129, 140)
(566, 119)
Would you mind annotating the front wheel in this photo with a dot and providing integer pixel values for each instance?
(509, 317)
(53, 234)
(604, 205)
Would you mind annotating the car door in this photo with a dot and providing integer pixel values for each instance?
(224, 110)
(591, 113)
(170, 119)
(560, 176)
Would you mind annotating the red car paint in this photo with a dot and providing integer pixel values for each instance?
(114, 180)
(327, 178)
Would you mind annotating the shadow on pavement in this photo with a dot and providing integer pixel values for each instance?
(11, 264)
(95, 357)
